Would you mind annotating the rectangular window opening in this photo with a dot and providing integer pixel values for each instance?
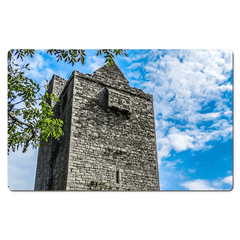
(117, 176)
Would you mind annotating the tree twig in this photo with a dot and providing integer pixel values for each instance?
(29, 126)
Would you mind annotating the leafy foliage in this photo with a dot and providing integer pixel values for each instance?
(109, 54)
(28, 122)
(30, 117)
(72, 55)
(76, 55)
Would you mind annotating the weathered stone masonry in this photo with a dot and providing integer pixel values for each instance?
(109, 139)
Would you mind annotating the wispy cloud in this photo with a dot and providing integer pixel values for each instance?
(135, 75)
(170, 164)
(190, 90)
(204, 184)
(135, 65)
(40, 67)
(93, 63)
(198, 184)
(192, 103)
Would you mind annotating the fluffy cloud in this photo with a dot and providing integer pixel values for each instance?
(191, 100)
(228, 180)
(180, 141)
(203, 184)
(198, 184)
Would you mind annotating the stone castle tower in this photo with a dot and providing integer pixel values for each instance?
(109, 140)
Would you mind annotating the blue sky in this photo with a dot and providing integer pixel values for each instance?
(192, 92)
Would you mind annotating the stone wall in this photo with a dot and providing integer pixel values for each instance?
(53, 155)
(109, 140)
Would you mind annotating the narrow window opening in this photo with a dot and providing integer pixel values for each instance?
(117, 176)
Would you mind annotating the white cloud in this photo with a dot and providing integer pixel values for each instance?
(204, 117)
(139, 56)
(33, 74)
(183, 83)
(170, 164)
(165, 110)
(198, 184)
(181, 176)
(127, 59)
(94, 62)
(228, 113)
(204, 184)
(228, 180)
(226, 87)
(134, 65)
(180, 141)
(135, 74)
(48, 73)
(39, 68)
(164, 151)
(36, 64)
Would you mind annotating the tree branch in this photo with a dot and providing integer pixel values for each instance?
(29, 126)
